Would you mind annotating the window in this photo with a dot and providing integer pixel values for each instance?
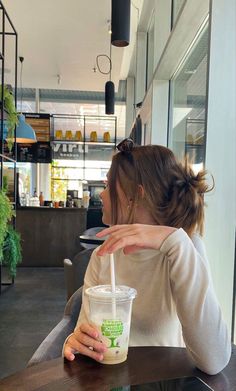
(150, 51)
(176, 7)
(187, 133)
(26, 106)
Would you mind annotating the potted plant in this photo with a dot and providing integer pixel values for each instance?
(10, 109)
(10, 246)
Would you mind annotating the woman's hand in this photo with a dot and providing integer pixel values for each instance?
(85, 340)
(132, 237)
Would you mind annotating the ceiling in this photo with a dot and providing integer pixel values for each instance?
(60, 40)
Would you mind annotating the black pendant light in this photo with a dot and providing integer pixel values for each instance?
(109, 97)
(120, 22)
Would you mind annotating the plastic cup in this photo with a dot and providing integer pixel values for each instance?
(114, 328)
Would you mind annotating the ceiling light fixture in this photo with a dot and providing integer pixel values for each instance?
(120, 22)
(109, 97)
(24, 132)
(109, 86)
(110, 93)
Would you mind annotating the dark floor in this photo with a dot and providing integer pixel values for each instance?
(29, 309)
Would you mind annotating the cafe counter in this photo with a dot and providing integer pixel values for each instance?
(49, 234)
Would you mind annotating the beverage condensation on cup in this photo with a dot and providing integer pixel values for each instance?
(114, 331)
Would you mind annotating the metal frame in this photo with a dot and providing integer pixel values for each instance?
(3, 157)
(84, 142)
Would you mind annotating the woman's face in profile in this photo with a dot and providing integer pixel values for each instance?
(106, 206)
(106, 209)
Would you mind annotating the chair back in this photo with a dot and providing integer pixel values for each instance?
(52, 345)
(75, 270)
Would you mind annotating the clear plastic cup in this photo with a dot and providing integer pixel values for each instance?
(111, 314)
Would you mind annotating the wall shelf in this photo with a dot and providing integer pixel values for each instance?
(89, 159)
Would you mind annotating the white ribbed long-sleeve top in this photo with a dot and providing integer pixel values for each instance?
(175, 305)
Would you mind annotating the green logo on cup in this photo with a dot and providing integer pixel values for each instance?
(112, 329)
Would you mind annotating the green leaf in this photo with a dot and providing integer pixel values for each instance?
(6, 213)
(12, 117)
(12, 254)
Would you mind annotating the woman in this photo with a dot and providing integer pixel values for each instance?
(155, 209)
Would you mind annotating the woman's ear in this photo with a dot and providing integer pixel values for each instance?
(141, 191)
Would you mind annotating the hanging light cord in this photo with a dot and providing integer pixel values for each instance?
(110, 65)
(110, 61)
(21, 91)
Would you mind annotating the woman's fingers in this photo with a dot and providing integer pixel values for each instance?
(121, 236)
(130, 249)
(89, 342)
(85, 340)
(133, 236)
(116, 242)
(88, 329)
(69, 353)
(70, 350)
(109, 230)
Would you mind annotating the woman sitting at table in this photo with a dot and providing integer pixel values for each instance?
(155, 208)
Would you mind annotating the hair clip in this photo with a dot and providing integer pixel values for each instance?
(125, 145)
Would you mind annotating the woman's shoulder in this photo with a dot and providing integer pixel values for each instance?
(198, 243)
(197, 240)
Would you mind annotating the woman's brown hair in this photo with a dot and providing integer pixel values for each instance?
(173, 193)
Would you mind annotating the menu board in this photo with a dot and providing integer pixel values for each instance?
(39, 152)
(41, 125)
(34, 153)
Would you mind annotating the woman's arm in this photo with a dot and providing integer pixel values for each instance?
(204, 331)
(132, 237)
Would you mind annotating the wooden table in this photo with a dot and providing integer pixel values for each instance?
(144, 364)
(88, 239)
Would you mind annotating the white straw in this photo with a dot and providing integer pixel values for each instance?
(113, 284)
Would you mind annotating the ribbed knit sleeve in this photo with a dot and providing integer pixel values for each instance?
(204, 331)
(90, 279)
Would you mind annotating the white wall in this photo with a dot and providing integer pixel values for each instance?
(140, 79)
(162, 27)
(221, 151)
(129, 105)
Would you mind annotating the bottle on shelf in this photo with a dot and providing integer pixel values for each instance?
(41, 199)
(27, 199)
(93, 136)
(78, 135)
(106, 137)
(86, 197)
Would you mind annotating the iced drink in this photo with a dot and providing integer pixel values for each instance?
(110, 312)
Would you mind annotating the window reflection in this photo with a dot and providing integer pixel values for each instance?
(188, 104)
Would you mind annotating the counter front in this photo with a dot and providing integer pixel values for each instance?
(50, 234)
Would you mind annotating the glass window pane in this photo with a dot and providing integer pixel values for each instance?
(177, 5)
(188, 114)
(26, 106)
(150, 51)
